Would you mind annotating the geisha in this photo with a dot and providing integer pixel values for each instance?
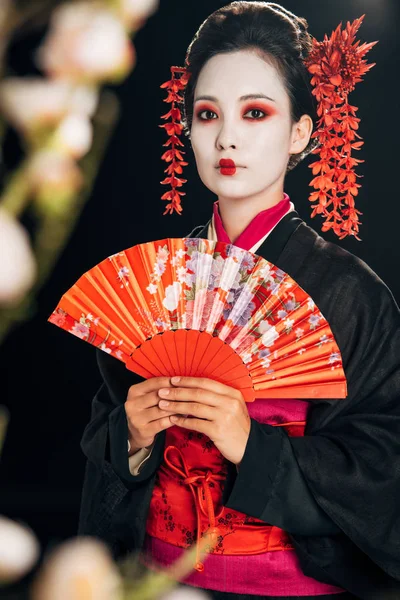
(300, 496)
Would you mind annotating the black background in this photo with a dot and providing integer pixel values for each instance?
(49, 377)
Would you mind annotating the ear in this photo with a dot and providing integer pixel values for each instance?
(301, 133)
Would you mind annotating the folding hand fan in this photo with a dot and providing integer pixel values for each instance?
(190, 306)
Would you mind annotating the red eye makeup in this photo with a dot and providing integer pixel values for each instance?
(202, 108)
(268, 111)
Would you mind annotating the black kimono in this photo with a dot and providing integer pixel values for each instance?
(336, 490)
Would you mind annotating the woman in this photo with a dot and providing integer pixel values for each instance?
(306, 515)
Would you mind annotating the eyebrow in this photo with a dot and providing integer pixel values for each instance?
(246, 97)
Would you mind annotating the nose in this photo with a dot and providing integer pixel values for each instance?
(227, 137)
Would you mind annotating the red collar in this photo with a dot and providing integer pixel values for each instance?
(257, 228)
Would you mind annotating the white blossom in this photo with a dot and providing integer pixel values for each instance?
(310, 304)
(152, 288)
(289, 323)
(265, 271)
(86, 42)
(123, 272)
(334, 357)
(105, 348)
(159, 267)
(19, 550)
(74, 135)
(17, 264)
(263, 326)
(246, 357)
(134, 12)
(31, 102)
(314, 321)
(79, 564)
(172, 295)
(181, 273)
(269, 337)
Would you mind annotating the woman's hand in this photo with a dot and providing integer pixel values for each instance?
(145, 418)
(212, 408)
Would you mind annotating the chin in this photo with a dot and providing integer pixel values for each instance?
(234, 190)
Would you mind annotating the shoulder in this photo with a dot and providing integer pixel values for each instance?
(358, 305)
(347, 275)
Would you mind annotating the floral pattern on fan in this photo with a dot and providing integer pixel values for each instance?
(174, 284)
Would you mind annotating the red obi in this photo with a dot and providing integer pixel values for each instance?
(187, 500)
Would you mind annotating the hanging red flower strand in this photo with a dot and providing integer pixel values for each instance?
(174, 156)
(337, 64)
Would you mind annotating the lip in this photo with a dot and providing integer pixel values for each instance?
(227, 163)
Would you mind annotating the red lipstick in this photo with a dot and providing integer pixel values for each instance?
(228, 166)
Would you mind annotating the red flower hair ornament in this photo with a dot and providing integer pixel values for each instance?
(336, 65)
(177, 83)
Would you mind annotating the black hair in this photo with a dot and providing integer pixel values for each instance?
(274, 33)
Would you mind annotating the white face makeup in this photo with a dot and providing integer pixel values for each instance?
(230, 122)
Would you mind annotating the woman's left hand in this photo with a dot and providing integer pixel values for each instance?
(212, 408)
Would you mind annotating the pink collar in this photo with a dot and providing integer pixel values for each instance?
(259, 226)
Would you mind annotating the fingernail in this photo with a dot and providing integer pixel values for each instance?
(163, 403)
(163, 392)
(175, 379)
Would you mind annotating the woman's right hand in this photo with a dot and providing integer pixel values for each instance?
(145, 418)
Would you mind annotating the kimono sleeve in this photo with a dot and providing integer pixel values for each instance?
(104, 443)
(350, 456)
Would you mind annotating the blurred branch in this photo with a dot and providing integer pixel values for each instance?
(29, 15)
(157, 582)
(16, 194)
(54, 230)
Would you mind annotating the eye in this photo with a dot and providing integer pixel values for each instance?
(207, 112)
(260, 114)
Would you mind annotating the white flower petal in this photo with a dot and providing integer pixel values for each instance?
(17, 264)
(19, 550)
(74, 135)
(80, 564)
(86, 42)
(31, 101)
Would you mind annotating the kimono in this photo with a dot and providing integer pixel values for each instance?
(336, 489)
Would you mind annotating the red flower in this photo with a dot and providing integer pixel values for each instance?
(337, 64)
(174, 129)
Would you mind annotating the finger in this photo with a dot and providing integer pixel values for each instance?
(156, 426)
(155, 413)
(206, 384)
(201, 411)
(149, 385)
(192, 395)
(198, 425)
(143, 402)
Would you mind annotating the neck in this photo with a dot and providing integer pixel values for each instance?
(237, 213)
